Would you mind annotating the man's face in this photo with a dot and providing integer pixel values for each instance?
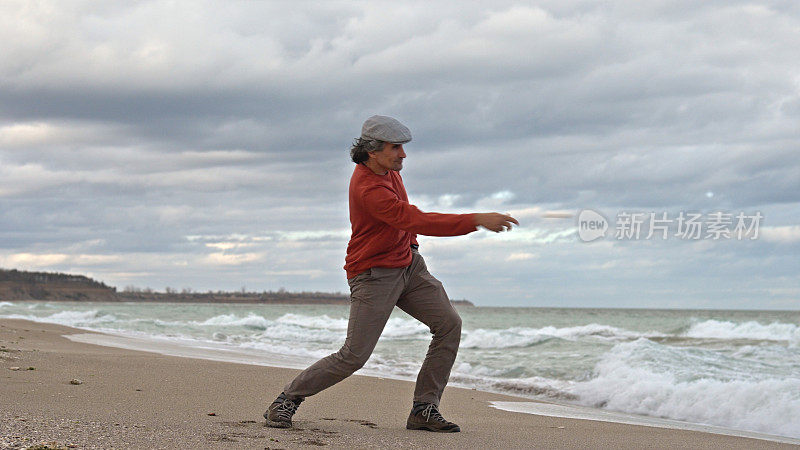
(390, 158)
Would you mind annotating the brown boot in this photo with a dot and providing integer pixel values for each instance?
(280, 412)
(426, 416)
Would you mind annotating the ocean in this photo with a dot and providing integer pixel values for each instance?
(733, 369)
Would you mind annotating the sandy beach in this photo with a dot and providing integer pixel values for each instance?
(133, 399)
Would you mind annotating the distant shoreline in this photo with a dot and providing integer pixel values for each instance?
(216, 301)
(16, 285)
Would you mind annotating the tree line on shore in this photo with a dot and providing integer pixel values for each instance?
(53, 286)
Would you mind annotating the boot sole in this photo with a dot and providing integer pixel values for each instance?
(274, 424)
(411, 426)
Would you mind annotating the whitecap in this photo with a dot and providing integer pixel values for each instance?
(524, 337)
(69, 318)
(323, 321)
(642, 377)
(718, 329)
(251, 320)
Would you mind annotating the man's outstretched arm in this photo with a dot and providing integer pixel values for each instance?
(386, 207)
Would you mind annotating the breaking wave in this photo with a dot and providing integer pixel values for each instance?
(717, 329)
(70, 318)
(525, 337)
(643, 377)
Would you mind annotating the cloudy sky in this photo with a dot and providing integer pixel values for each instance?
(205, 144)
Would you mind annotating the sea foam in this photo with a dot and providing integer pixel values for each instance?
(251, 320)
(70, 318)
(396, 327)
(525, 337)
(642, 377)
(717, 329)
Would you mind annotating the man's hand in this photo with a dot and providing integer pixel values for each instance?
(495, 221)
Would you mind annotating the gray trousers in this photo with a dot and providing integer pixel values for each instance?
(373, 296)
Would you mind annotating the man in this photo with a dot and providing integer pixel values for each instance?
(384, 270)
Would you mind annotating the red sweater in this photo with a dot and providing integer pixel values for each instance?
(384, 224)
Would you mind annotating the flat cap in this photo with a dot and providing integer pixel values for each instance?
(386, 129)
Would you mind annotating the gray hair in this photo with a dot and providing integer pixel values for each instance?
(359, 153)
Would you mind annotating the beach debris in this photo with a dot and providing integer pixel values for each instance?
(75, 381)
(13, 368)
(31, 368)
(212, 414)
